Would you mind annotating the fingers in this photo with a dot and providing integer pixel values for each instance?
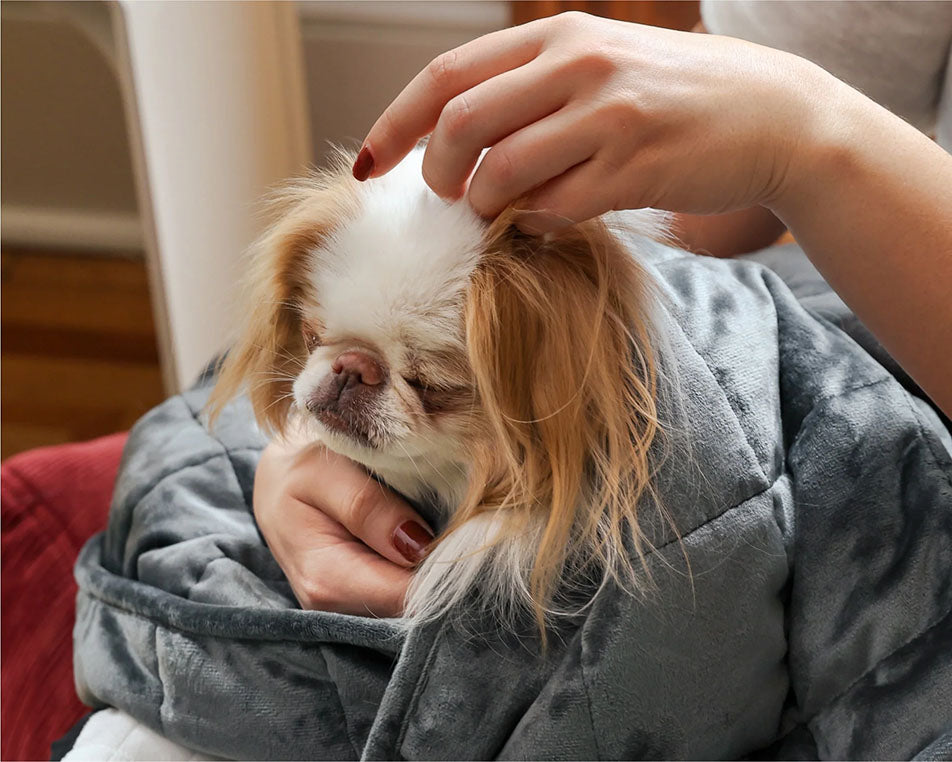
(585, 191)
(484, 115)
(531, 157)
(369, 511)
(414, 113)
(342, 574)
(303, 496)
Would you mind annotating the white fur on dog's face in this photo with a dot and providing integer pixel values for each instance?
(389, 282)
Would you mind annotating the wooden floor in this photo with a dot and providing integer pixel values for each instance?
(78, 355)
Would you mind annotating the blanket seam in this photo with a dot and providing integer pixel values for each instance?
(419, 687)
(768, 488)
(712, 519)
(588, 695)
(879, 663)
(768, 275)
(94, 591)
(340, 703)
(844, 392)
(932, 454)
(166, 625)
(195, 416)
(720, 387)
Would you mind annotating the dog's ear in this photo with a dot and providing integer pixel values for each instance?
(270, 352)
(558, 339)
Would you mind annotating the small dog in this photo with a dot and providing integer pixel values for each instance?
(510, 378)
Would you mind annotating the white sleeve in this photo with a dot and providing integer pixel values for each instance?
(114, 736)
(896, 53)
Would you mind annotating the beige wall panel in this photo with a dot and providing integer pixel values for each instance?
(356, 64)
(64, 141)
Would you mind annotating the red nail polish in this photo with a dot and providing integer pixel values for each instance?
(411, 541)
(364, 164)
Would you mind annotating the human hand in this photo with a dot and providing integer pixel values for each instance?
(345, 542)
(584, 115)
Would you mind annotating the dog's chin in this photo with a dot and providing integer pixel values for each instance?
(345, 428)
(338, 435)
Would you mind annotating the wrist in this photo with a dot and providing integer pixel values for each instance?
(825, 146)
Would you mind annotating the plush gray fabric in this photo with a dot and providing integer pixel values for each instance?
(813, 622)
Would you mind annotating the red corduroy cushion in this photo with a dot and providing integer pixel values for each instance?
(52, 500)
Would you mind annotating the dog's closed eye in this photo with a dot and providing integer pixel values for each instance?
(311, 338)
(439, 397)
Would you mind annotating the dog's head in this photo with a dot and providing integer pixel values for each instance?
(512, 375)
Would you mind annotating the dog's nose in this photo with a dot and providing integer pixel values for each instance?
(358, 367)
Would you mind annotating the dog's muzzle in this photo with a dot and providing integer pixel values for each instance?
(346, 398)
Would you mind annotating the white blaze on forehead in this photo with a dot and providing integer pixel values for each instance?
(398, 270)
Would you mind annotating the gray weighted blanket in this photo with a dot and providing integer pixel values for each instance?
(814, 619)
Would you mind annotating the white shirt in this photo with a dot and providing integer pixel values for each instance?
(899, 54)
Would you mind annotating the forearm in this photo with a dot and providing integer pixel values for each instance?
(869, 198)
(728, 235)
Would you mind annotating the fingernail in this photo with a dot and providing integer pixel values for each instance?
(364, 164)
(411, 541)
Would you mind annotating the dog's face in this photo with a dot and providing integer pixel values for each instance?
(511, 376)
(385, 376)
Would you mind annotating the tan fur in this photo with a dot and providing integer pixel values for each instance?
(270, 348)
(557, 331)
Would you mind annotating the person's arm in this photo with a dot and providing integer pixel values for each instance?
(584, 115)
(869, 198)
(731, 234)
(727, 235)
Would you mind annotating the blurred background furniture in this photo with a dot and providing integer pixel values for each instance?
(53, 499)
(673, 14)
(215, 105)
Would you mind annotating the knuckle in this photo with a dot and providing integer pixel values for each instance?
(364, 506)
(570, 19)
(443, 69)
(592, 64)
(457, 117)
(606, 166)
(312, 594)
(618, 117)
(501, 168)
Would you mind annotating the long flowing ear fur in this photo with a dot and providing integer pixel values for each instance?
(559, 342)
(269, 351)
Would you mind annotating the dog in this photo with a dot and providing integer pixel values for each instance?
(511, 379)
